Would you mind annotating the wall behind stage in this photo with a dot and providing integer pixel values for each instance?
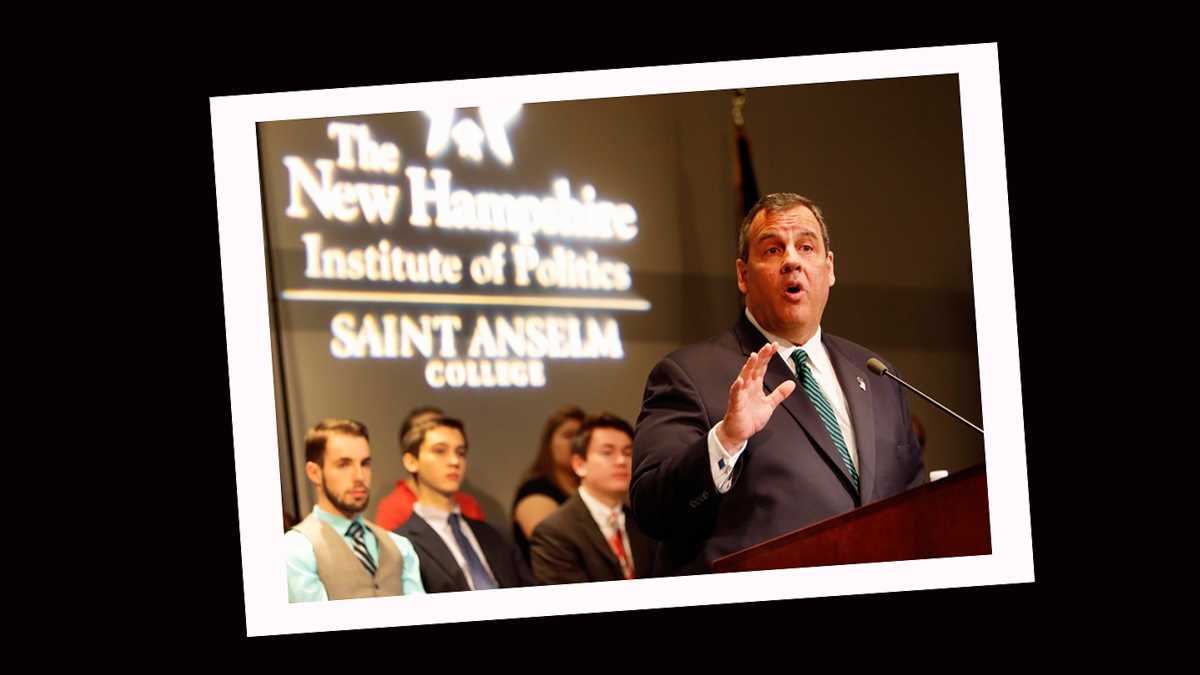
(883, 158)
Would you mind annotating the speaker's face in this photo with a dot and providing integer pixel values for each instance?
(788, 273)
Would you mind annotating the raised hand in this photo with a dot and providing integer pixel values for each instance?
(749, 408)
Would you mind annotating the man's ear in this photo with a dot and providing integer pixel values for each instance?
(313, 472)
(410, 463)
(578, 465)
(741, 275)
(832, 278)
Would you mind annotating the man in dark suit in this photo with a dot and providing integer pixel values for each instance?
(456, 553)
(592, 536)
(717, 467)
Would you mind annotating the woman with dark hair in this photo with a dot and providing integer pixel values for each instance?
(550, 481)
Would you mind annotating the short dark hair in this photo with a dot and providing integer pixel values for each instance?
(315, 439)
(775, 203)
(416, 412)
(411, 442)
(579, 446)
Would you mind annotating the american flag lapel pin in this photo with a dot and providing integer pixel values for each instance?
(862, 385)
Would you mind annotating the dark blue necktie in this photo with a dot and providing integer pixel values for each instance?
(479, 574)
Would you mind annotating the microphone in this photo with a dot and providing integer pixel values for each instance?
(876, 366)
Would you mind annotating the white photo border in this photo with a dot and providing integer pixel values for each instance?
(251, 381)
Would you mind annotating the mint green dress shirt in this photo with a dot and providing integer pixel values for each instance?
(303, 583)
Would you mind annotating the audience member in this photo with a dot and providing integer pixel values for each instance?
(592, 536)
(396, 507)
(453, 557)
(335, 553)
(550, 481)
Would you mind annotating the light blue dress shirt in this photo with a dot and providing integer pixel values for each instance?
(303, 583)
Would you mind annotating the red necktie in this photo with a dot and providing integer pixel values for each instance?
(618, 546)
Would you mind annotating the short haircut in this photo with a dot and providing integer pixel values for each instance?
(412, 441)
(416, 412)
(315, 439)
(579, 446)
(777, 202)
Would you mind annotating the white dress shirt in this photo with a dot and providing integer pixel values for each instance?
(439, 520)
(722, 462)
(602, 515)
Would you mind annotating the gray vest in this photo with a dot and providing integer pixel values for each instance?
(341, 573)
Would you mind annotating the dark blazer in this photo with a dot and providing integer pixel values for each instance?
(568, 547)
(440, 572)
(790, 475)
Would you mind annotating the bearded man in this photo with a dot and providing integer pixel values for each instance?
(335, 553)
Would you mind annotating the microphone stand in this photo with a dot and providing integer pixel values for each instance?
(884, 371)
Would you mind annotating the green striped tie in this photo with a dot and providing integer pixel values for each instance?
(824, 411)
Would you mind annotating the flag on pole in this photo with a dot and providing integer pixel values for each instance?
(744, 184)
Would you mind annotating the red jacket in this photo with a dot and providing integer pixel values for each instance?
(395, 508)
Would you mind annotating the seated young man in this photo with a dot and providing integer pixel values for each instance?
(335, 553)
(396, 507)
(592, 536)
(457, 553)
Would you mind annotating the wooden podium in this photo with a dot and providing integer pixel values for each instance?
(942, 519)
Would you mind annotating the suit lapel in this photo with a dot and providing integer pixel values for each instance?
(862, 415)
(493, 557)
(435, 549)
(587, 524)
(801, 408)
(797, 404)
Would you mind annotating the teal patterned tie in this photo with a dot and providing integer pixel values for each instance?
(824, 411)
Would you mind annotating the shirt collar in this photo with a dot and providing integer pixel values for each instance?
(818, 358)
(336, 521)
(433, 515)
(599, 511)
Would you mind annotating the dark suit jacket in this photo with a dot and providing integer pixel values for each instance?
(440, 572)
(568, 547)
(788, 477)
